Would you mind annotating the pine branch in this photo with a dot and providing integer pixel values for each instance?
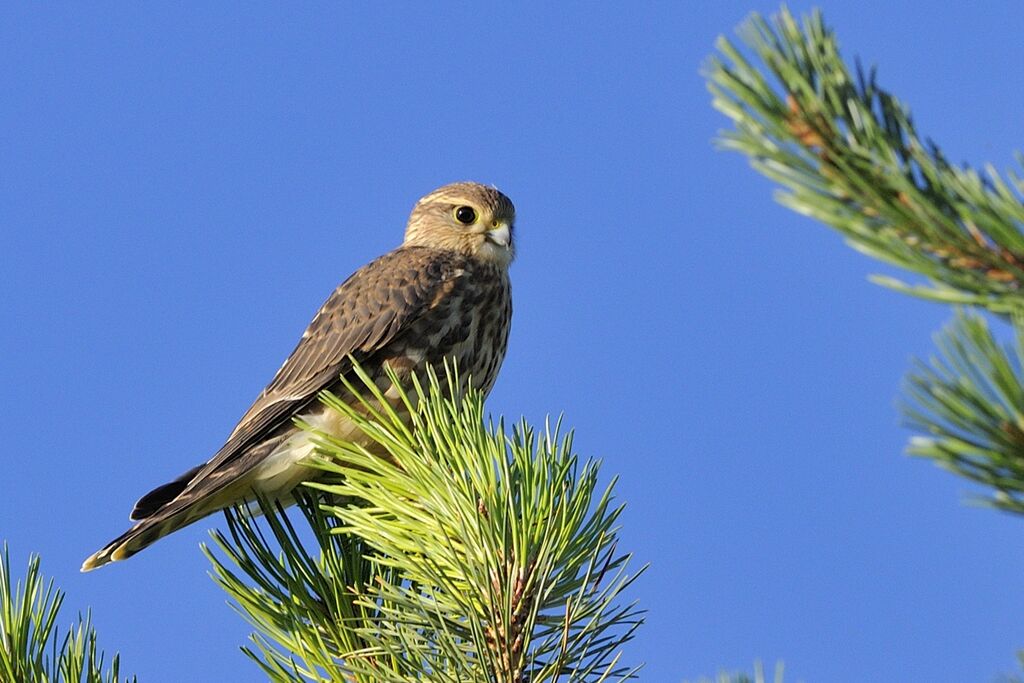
(848, 154)
(758, 677)
(29, 634)
(451, 551)
(969, 401)
(1014, 677)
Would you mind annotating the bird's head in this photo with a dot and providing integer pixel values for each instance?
(469, 218)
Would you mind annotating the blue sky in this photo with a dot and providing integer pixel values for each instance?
(180, 189)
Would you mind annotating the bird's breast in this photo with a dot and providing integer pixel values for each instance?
(470, 326)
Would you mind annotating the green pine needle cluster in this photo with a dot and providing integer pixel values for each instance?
(31, 647)
(846, 152)
(451, 550)
(759, 676)
(969, 403)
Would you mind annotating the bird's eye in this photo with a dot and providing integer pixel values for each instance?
(465, 215)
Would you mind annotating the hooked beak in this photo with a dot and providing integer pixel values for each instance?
(501, 235)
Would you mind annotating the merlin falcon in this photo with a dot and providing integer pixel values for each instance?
(443, 295)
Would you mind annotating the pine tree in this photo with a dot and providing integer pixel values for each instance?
(468, 553)
(846, 152)
(31, 645)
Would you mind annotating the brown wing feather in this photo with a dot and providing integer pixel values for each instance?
(363, 315)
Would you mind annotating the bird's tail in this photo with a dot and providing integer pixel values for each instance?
(192, 496)
(141, 535)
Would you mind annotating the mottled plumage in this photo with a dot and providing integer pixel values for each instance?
(443, 294)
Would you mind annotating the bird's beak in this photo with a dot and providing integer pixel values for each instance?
(501, 235)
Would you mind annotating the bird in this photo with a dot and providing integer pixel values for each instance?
(443, 295)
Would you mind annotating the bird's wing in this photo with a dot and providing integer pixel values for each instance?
(363, 315)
